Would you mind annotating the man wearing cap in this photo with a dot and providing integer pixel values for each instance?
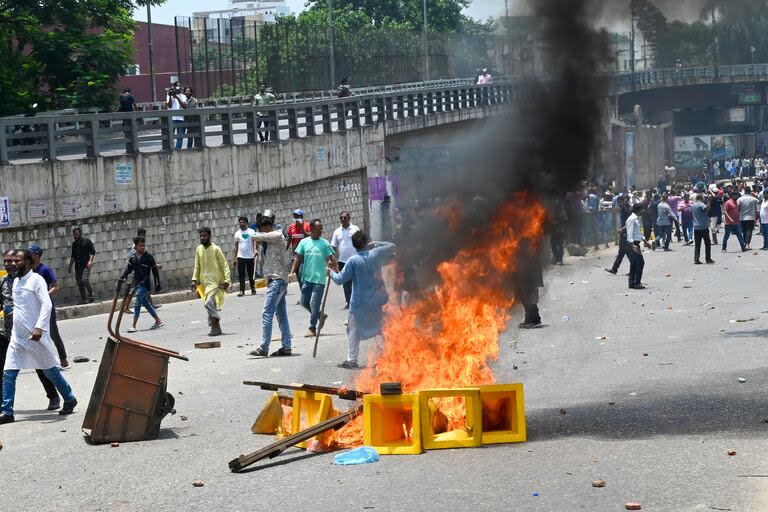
(49, 275)
(341, 241)
(297, 231)
(212, 273)
(31, 345)
(276, 266)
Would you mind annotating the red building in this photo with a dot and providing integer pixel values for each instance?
(165, 60)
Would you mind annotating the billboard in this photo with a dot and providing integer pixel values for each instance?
(690, 152)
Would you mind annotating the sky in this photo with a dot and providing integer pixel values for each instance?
(478, 9)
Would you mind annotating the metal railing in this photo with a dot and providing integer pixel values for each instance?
(49, 138)
(671, 77)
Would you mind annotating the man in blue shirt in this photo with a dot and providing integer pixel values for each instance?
(368, 292)
(51, 280)
(701, 230)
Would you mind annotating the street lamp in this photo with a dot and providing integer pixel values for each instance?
(330, 45)
(151, 52)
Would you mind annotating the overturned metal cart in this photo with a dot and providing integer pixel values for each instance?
(129, 398)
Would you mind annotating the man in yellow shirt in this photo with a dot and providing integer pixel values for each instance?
(212, 274)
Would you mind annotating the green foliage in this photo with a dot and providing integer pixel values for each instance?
(63, 53)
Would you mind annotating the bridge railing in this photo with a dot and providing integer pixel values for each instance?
(26, 139)
(671, 77)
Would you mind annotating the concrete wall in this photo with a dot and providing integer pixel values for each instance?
(172, 230)
(649, 155)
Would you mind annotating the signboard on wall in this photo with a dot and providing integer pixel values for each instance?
(690, 152)
(630, 159)
(5, 212)
(124, 173)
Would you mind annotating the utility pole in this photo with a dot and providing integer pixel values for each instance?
(151, 53)
(330, 45)
(632, 44)
(507, 39)
(426, 45)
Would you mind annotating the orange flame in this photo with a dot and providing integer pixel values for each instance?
(447, 338)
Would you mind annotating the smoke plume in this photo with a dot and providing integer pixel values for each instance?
(545, 145)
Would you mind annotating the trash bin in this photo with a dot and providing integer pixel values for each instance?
(129, 398)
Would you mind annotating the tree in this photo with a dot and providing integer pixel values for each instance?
(64, 53)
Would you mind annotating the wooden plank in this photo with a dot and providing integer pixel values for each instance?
(208, 344)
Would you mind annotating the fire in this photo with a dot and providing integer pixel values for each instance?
(448, 337)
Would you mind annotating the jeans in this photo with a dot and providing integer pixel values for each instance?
(664, 234)
(274, 305)
(764, 230)
(698, 236)
(688, 230)
(9, 387)
(245, 266)
(142, 299)
(636, 264)
(347, 285)
(747, 227)
(311, 297)
(179, 131)
(83, 280)
(734, 229)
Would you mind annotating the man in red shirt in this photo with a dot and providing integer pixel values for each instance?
(732, 224)
(297, 231)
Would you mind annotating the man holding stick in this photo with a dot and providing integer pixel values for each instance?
(369, 294)
(316, 254)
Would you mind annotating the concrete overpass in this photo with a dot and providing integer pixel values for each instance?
(113, 173)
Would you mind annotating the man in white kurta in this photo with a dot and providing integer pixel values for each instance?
(31, 346)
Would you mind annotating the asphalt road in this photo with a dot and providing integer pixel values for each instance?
(656, 427)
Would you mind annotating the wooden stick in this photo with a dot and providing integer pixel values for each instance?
(322, 312)
(276, 448)
(344, 394)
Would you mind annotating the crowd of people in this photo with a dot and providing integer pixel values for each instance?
(262, 251)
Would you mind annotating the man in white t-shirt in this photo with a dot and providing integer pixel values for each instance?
(244, 254)
(176, 100)
(341, 241)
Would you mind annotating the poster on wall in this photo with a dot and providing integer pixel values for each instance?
(124, 173)
(5, 212)
(723, 146)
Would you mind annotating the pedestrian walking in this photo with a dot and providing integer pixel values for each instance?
(264, 98)
(369, 295)
(700, 212)
(31, 346)
(732, 223)
(82, 257)
(141, 264)
(341, 241)
(314, 253)
(635, 253)
(53, 287)
(686, 219)
(212, 273)
(625, 210)
(6, 328)
(244, 255)
(764, 221)
(277, 264)
(664, 220)
(748, 211)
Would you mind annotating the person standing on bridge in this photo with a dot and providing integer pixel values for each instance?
(264, 98)
(31, 345)
(175, 100)
(212, 273)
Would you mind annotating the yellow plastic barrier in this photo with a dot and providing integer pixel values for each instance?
(503, 409)
(392, 424)
(269, 419)
(470, 436)
(309, 409)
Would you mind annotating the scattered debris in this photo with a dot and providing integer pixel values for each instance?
(601, 337)
(598, 483)
(183, 418)
(717, 508)
(63, 430)
(566, 318)
(666, 364)
(645, 354)
(535, 494)
(742, 380)
(563, 412)
(114, 445)
(633, 394)
(667, 275)
(181, 392)
(632, 505)
(81, 359)
(362, 455)
(669, 306)
(208, 344)
(611, 403)
(198, 483)
(731, 452)
(764, 420)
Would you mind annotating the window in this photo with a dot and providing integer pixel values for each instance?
(132, 70)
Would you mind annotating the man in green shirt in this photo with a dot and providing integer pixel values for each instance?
(316, 254)
(263, 98)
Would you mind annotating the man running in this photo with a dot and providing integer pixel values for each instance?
(142, 264)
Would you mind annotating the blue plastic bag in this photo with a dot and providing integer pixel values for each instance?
(362, 455)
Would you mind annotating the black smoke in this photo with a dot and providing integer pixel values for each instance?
(545, 144)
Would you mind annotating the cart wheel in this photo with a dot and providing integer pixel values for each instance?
(168, 404)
